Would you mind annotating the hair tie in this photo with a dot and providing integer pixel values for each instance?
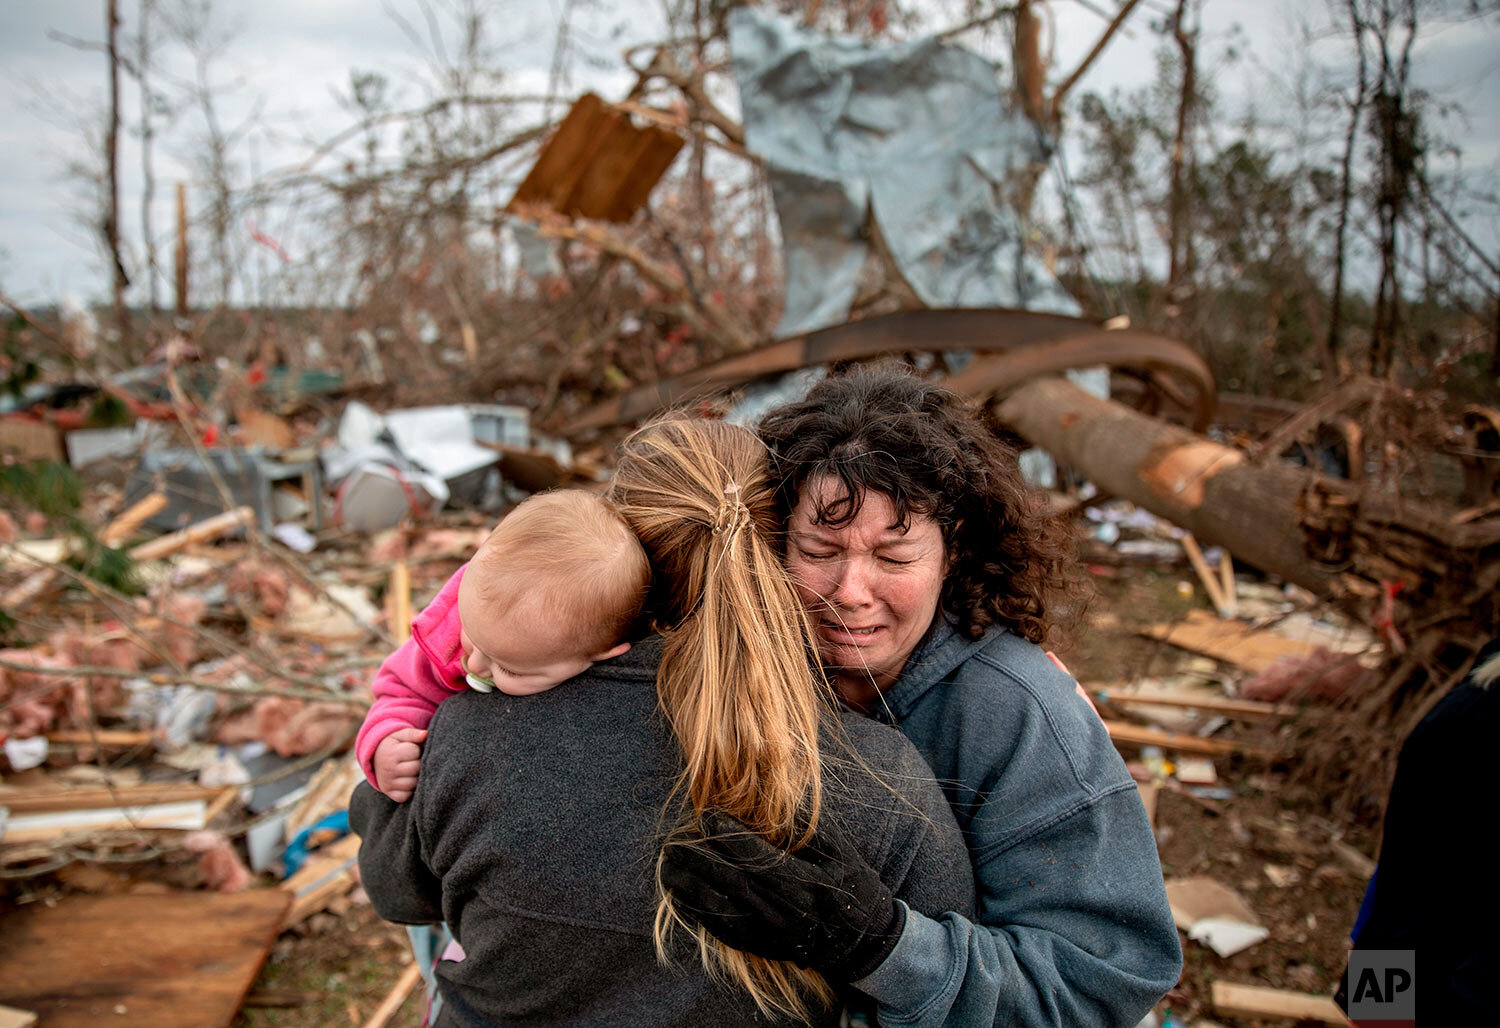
(733, 514)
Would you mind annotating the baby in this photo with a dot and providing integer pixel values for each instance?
(552, 590)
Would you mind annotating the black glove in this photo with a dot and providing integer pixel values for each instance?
(823, 908)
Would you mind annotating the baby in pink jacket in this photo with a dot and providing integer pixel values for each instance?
(552, 590)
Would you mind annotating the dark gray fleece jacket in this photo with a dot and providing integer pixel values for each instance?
(534, 832)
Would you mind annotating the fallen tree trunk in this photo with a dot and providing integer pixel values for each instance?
(1426, 577)
(1211, 490)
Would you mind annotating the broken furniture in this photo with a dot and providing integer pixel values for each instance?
(252, 476)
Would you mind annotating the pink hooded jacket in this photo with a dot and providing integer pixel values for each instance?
(426, 670)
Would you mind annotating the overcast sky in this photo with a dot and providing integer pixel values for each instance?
(288, 58)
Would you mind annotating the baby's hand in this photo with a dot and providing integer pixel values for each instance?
(398, 757)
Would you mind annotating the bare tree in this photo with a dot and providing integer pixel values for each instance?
(121, 280)
(1179, 232)
(195, 26)
(1356, 107)
(148, 136)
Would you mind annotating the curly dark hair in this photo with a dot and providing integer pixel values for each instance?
(885, 429)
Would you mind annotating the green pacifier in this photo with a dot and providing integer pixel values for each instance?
(479, 684)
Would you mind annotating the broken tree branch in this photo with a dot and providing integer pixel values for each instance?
(706, 317)
(1061, 93)
(664, 65)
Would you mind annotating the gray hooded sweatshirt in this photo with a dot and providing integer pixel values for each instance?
(534, 832)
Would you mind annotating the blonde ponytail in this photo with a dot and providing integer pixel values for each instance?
(738, 682)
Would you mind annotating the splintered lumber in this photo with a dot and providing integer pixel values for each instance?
(174, 960)
(203, 531)
(1211, 583)
(1230, 641)
(1135, 735)
(328, 873)
(1259, 1001)
(118, 530)
(132, 518)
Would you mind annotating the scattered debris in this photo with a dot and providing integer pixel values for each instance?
(1250, 648)
(1194, 771)
(328, 873)
(1135, 735)
(1321, 675)
(1214, 914)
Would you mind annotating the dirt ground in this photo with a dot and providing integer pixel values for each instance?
(1270, 843)
(335, 971)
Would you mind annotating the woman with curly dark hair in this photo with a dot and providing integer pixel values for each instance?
(933, 578)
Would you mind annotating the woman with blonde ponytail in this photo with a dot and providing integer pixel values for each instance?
(538, 824)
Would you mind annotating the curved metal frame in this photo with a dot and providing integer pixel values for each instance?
(1014, 345)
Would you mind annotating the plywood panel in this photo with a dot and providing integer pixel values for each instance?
(1232, 641)
(175, 960)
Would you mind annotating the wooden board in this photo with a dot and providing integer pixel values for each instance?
(1259, 1001)
(174, 960)
(1231, 641)
(34, 799)
(46, 825)
(597, 164)
(1248, 709)
(1135, 735)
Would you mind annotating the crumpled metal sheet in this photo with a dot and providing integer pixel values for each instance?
(921, 135)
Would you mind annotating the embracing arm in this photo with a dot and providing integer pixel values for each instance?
(400, 885)
(1073, 929)
(422, 673)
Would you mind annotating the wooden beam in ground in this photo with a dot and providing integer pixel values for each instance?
(1135, 735)
(398, 602)
(397, 996)
(1259, 1001)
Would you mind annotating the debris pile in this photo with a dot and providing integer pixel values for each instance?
(180, 689)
